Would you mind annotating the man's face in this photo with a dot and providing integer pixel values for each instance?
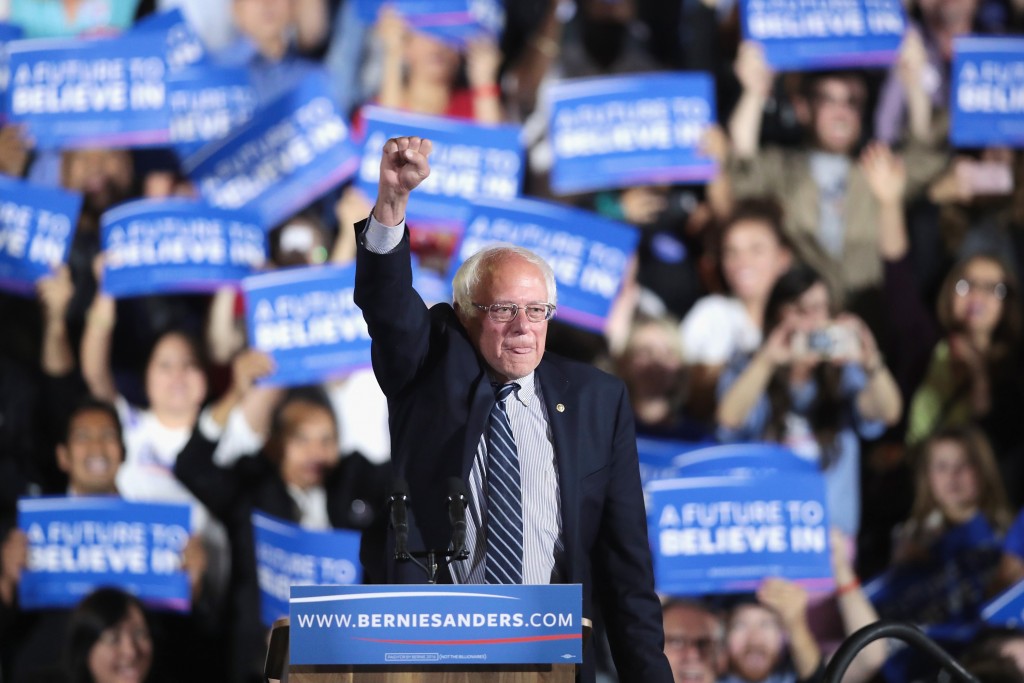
(93, 453)
(754, 642)
(691, 644)
(103, 176)
(262, 20)
(512, 349)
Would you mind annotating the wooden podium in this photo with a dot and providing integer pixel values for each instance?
(278, 669)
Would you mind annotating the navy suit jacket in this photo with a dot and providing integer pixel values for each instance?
(439, 396)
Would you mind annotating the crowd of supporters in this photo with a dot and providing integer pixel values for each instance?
(847, 285)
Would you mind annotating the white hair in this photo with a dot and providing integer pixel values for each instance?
(471, 272)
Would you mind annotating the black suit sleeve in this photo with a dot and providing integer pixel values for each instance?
(621, 559)
(218, 488)
(396, 317)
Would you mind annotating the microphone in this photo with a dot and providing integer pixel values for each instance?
(457, 500)
(399, 518)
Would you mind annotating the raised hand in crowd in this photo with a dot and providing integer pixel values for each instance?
(100, 320)
(403, 166)
(483, 59)
(248, 366)
(886, 175)
(789, 601)
(912, 70)
(757, 80)
(351, 207)
(855, 610)
(13, 560)
(55, 293)
(391, 31)
(194, 560)
(14, 151)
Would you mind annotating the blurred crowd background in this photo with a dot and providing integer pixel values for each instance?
(847, 285)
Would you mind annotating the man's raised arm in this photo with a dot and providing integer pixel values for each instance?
(395, 315)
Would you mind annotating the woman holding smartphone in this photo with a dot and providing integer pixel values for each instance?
(815, 384)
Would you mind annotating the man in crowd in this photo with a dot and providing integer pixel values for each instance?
(693, 641)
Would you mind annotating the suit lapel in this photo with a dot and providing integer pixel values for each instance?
(481, 402)
(555, 387)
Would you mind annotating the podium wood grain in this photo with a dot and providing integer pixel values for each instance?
(554, 673)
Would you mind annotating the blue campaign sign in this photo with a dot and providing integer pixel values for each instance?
(183, 46)
(437, 625)
(742, 458)
(306, 319)
(987, 93)
(469, 162)
(288, 555)
(8, 33)
(78, 544)
(726, 534)
(589, 254)
(1007, 608)
(96, 93)
(804, 35)
(177, 245)
(37, 225)
(453, 21)
(290, 153)
(206, 103)
(630, 130)
(658, 457)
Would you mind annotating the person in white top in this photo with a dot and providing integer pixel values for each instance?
(753, 253)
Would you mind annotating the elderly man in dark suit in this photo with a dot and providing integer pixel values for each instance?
(545, 446)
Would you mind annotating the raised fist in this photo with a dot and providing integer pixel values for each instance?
(403, 166)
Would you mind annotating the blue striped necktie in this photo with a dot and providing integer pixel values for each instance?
(504, 497)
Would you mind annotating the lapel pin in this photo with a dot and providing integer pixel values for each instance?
(560, 407)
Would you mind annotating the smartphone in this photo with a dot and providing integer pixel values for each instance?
(986, 177)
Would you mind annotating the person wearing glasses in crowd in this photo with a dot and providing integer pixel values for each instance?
(473, 396)
(694, 639)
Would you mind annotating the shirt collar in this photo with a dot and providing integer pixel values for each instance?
(527, 388)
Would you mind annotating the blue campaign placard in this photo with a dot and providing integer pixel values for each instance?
(742, 458)
(37, 225)
(630, 130)
(987, 93)
(658, 457)
(167, 246)
(78, 544)
(453, 21)
(306, 319)
(726, 534)
(183, 46)
(469, 162)
(288, 555)
(292, 151)
(1007, 608)
(8, 34)
(89, 93)
(206, 103)
(588, 253)
(804, 35)
(437, 625)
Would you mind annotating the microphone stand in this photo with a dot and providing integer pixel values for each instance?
(893, 629)
(457, 515)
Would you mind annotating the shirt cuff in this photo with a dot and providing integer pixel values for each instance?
(382, 239)
(208, 427)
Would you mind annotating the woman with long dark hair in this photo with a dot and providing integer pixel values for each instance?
(108, 640)
(817, 381)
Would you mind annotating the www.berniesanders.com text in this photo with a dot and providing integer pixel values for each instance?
(438, 620)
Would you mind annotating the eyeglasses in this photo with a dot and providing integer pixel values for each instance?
(996, 289)
(851, 102)
(507, 312)
(705, 645)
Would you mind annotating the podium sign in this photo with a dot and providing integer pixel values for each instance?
(436, 625)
